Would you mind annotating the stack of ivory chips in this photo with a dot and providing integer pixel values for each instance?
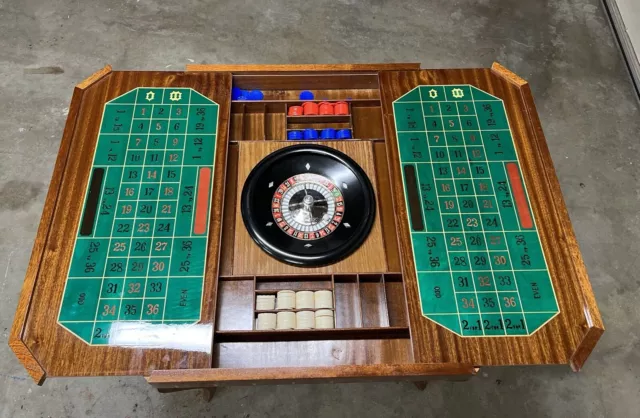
(305, 319)
(324, 318)
(265, 302)
(286, 300)
(314, 310)
(266, 321)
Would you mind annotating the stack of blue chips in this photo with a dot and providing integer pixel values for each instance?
(255, 95)
(328, 133)
(344, 134)
(238, 94)
(310, 134)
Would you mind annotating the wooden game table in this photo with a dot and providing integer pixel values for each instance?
(142, 264)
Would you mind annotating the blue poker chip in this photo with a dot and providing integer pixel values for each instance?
(344, 134)
(328, 133)
(294, 135)
(236, 92)
(306, 95)
(310, 134)
(255, 95)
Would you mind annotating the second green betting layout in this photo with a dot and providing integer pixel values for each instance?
(140, 249)
(479, 262)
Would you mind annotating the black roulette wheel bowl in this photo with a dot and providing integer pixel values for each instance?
(275, 172)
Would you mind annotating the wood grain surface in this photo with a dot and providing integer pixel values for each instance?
(258, 68)
(312, 354)
(336, 374)
(250, 259)
(582, 286)
(25, 356)
(58, 352)
(567, 338)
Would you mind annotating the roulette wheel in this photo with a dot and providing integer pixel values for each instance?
(308, 205)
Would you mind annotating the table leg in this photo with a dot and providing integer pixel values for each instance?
(421, 385)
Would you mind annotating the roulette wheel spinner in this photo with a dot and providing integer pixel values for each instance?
(308, 205)
(343, 181)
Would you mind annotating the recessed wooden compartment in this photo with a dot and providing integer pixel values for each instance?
(257, 121)
(368, 292)
(235, 304)
(352, 341)
(317, 125)
(248, 259)
(273, 284)
(361, 304)
(347, 298)
(268, 119)
(332, 119)
(396, 301)
(287, 87)
(367, 120)
(253, 350)
(373, 302)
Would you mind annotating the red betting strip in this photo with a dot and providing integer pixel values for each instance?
(202, 202)
(518, 193)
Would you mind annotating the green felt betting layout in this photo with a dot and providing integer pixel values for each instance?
(140, 250)
(480, 266)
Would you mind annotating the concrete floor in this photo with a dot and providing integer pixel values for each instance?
(565, 48)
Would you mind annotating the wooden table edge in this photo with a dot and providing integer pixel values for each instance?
(95, 77)
(16, 342)
(257, 68)
(327, 374)
(593, 327)
(28, 360)
(584, 349)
